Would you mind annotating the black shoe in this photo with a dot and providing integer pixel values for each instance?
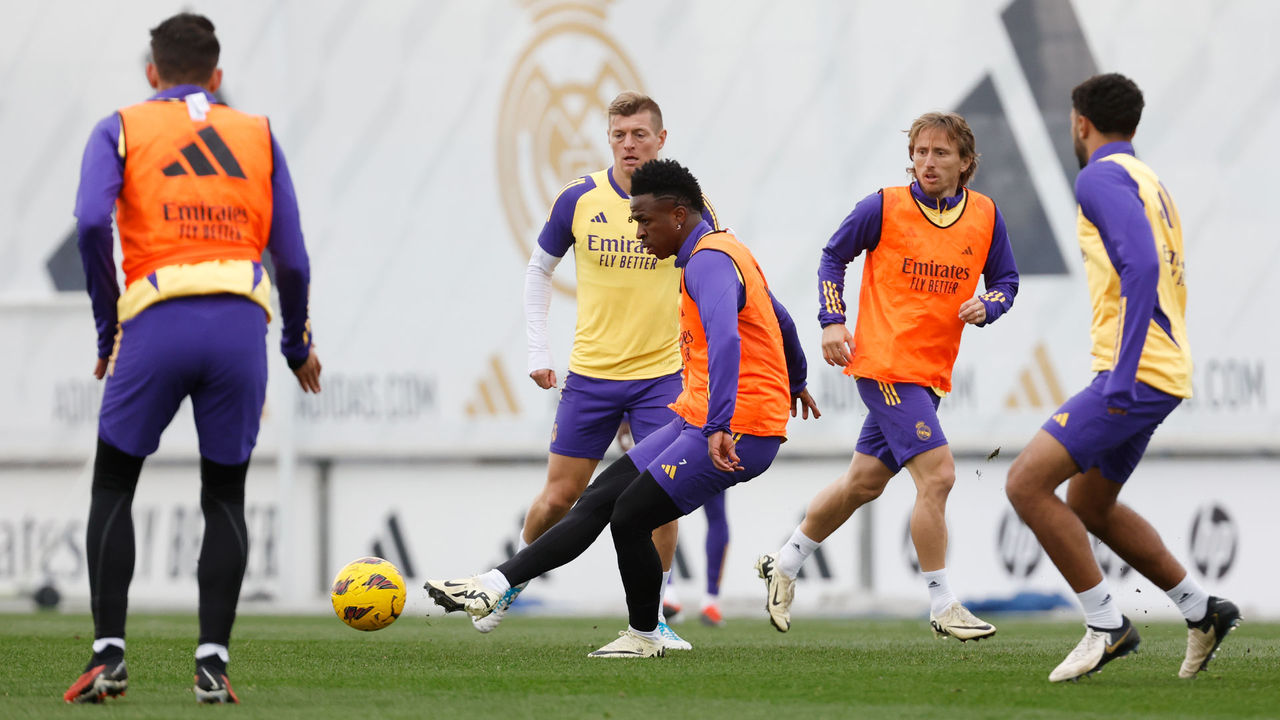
(105, 676)
(212, 685)
(1204, 637)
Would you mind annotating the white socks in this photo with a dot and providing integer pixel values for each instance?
(940, 595)
(494, 580)
(1191, 599)
(794, 552)
(103, 643)
(653, 634)
(1100, 609)
(210, 649)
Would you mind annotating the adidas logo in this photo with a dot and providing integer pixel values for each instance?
(933, 583)
(1061, 418)
(1106, 600)
(599, 218)
(967, 250)
(496, 396)
(1037, 387)
(1183, 598)
(670, 470)
(396, 549)
(200, 163)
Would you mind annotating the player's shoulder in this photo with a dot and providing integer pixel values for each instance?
(575, 189)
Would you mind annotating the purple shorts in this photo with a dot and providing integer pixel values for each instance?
(211, 348)
(902, 421)
(591, 410)
(1112, 443)
(676, 456)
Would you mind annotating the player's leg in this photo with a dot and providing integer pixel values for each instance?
(565, 541)
(1078, 438)
(675, 482)
(227, 406)
(870, 470)
(1093, 496)
(146, 385)
(647, 411)
(717, 547)
(587, 417)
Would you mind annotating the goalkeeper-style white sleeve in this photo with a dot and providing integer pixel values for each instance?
(537, 305)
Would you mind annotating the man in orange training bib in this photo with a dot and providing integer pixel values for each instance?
(925, 244)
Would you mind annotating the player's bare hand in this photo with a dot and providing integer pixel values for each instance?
(723, 452)
(100, 370)
(309, 373)
(837, 345)
(973, 311)
(803, 403)
(545, 378)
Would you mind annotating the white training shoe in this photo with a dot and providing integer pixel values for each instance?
(630, 645)
(465, 594)
(1097, 648)
(957, 622)
(780, 590)
(1204, 637)
(489, 623)
(670, 640)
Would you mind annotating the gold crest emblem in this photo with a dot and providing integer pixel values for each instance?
(923, 431)
(551, 125)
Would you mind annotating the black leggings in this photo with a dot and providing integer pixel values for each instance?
(635, 505)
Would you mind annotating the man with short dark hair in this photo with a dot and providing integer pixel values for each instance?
(925, 244)
(199, 191)
(625, 363)
(1131, 239)
(743, 373)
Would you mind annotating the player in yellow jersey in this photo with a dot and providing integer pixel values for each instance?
(1131, 239)
(625, 360)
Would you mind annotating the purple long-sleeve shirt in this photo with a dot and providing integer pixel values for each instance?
(1109, 198)
(101, 177)
(860, 232)
(711, 279)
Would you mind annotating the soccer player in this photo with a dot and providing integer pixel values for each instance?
(1131, 238)
(625, 358)
(743, 372)
(925, 245)
(199, 190)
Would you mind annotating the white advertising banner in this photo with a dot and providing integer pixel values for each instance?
(428, 139)
(42, 536)
(447, 520)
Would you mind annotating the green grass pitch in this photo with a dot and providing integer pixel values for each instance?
(438, 667)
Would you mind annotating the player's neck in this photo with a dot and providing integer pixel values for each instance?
(623, 179)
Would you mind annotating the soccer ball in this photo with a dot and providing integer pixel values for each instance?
(368, 594)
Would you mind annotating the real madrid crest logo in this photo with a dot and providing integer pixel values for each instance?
(551, 127)
(923, 431)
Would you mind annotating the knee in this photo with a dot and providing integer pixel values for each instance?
(1093, 516)
(937, 484)
(861, 488)
(1020, 487)
(628, 525)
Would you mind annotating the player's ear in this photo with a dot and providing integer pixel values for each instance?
(215, 80)
(153, 76)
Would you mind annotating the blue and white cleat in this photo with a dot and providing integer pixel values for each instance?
(670, 640)
(489, 623)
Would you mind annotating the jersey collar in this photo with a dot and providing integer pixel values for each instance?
(1112, 148)
(686, 248)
